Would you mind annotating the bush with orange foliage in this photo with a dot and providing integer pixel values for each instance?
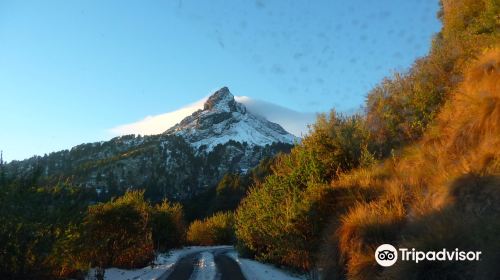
(215, 230)
(118, 233)
(126, 231)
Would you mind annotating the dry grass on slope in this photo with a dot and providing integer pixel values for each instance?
(442, 192)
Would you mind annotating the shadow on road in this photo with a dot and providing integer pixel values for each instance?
(184, 267)
(227, 268)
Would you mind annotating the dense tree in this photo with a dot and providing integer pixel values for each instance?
(229, 192)
(168, 225)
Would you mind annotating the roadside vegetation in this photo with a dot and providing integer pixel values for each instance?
(420, 168)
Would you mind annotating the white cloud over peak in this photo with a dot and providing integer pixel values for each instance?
(158, 123)
(292, 121)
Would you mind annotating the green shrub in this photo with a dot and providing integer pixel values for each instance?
(337, 143)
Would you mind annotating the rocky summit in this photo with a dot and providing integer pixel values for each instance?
(222, 120)
(188, 159)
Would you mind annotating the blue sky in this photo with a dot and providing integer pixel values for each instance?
(72, 70)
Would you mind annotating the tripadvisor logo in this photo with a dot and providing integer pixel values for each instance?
(387, 255)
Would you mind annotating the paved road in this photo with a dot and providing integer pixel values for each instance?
(188, 267)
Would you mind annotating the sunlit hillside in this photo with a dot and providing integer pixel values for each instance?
(419, 169)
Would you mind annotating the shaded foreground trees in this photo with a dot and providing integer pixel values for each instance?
(36, 222)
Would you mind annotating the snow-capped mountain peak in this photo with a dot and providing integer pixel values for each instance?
(223, 119)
